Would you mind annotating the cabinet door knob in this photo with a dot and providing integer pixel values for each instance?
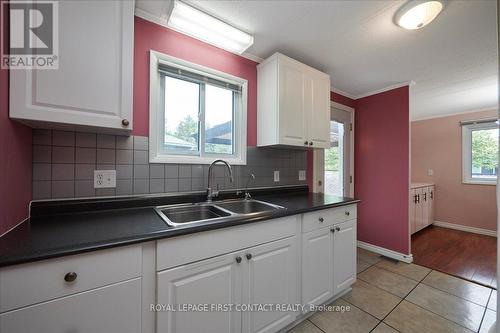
(306, 143)
(311, 143)
(238, 259)
(332, 229)
(347, 213)
(70, 277)
(321, 219)
(337, 228)
(249, 256)
(432, 195)
(125, 122)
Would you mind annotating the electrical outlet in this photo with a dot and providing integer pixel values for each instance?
(302, 174)
(276, 176)
(104, 178)
(430, 172)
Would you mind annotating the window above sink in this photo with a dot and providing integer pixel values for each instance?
(197, 114)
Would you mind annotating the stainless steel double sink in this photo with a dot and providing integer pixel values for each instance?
(210, 212)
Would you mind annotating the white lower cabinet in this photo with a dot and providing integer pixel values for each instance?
(112, 309)
(421, 206)
(212, 281)
(265, 274)
(317, 266)
(328, 262)
(205, 282)
(344, 255)
(270, 277)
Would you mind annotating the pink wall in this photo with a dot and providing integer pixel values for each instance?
(16, 160)
(150, 36)
(437, 144)
(381, 168)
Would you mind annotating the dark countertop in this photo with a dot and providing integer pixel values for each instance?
(59, 228)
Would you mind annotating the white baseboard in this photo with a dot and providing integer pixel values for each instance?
(408, 258)
(480, 231)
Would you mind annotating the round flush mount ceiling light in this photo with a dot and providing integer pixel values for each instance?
(416, 14)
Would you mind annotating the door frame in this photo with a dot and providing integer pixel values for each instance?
(319, 155)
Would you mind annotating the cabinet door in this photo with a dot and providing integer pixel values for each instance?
(413, 225)
(317, 266)
(270, 278)
(112, 309)
(212, 281)
(430, 203)
(93, 85)
(292, 117)
(424, 198)
(318, 111)
(419, 217)
(344, 256)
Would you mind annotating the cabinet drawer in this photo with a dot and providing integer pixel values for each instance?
(31, 283)
(328, 217)
(111, 309)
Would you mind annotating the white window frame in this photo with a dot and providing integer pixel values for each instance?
(319, 156)
(467, 152)
(156, 154)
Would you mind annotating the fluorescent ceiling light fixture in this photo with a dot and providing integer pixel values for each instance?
(416, 14)
(211, 30)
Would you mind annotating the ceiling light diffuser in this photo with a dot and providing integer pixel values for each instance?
(211, 30)
(416, 14)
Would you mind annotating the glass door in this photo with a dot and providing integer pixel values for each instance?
(337, 157)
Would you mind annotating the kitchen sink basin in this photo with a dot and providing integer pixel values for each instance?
(191, 213)
(248, 206)
(210, 212)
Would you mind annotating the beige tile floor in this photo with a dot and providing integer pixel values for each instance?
(393, 297)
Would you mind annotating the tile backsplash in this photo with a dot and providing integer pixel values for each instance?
(64, 164)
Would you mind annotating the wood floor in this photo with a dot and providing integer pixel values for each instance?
(463, 254)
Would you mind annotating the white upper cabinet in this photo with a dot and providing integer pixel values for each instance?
(92, 88)
(293, 104)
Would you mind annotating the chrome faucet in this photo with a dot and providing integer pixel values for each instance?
(247, 194)
(210, 192)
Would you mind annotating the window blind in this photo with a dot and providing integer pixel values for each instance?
(479, 121)
(195, 77)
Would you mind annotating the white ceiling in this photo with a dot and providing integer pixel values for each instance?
(453, 61)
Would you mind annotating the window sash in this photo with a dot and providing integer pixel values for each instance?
(156, 134)
(467, 129)
(201, 152)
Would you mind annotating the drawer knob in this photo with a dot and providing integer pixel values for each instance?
(125, 122)
(311, 143)
(321, 219)
(249, 256)
(70, 277)
(337, 228)
(347, 213)
(332, 229)
(238, 259)
(306, 143)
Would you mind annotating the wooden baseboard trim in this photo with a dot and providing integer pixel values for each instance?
(480, 231)
(408, 258)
